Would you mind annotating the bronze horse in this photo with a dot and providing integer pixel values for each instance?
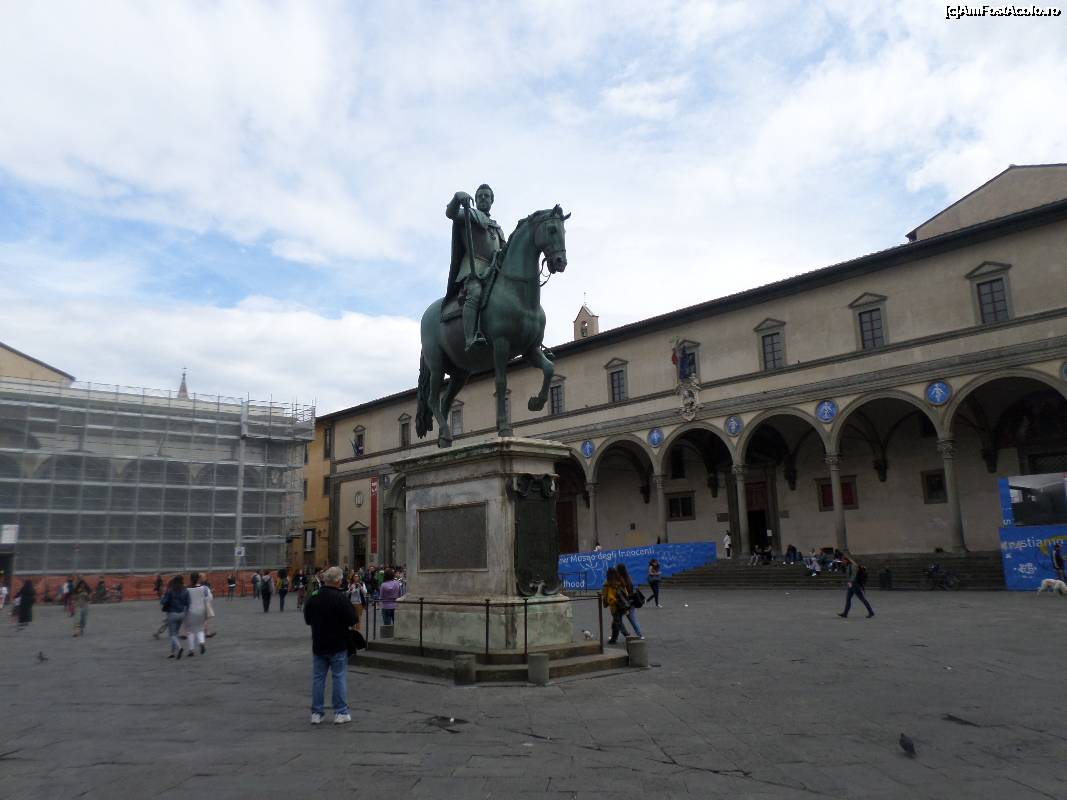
(512, 321)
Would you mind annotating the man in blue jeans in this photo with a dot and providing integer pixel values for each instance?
(857, 579)
(330, 616)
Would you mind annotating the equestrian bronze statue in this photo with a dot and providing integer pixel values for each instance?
(491, 311)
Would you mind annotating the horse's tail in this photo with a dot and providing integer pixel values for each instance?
(423, 413)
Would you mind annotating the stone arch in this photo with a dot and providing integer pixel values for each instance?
(626, 509)
(751, 426)
(834, 439)
(697, 426)
(623, 439)
(953, 405)
(1017, 409)
(395, 497)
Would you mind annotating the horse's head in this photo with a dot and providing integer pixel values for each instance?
(550, 238)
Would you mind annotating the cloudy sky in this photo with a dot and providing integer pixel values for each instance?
(255, 191)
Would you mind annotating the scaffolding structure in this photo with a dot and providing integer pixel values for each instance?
(111, 479)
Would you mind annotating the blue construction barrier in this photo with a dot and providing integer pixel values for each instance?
(1027, 554)
(1032, 512)
(587, 570)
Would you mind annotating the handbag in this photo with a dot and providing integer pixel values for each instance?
(356, 642)
(637, 600)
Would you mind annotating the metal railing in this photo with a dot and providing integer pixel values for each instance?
(373, 607)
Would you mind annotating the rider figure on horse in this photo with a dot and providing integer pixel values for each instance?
(467, 274)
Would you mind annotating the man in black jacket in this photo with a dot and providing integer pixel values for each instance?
(330, 616)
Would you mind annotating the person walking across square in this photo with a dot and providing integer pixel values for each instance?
(727, 544)
(82, 596)
(654, 576)
(266, 589)
(857, 580)
(1057, 560)
(331, 616)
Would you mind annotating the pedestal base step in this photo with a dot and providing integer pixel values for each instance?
(399, 655)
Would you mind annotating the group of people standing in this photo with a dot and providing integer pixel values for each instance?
(187, 610)
(622, 598)
(265, 586)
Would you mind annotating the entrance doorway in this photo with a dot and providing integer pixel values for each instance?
(756, 502)
(359, 550)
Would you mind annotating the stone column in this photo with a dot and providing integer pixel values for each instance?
(947, 449)
(661, 509)
(742, 510)
(590, 487)
(840, 534)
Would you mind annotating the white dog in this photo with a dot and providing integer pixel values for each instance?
(1053, 585)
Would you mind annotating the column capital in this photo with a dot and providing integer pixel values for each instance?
(659, 479)
(947, 448)
(738, 470)
(832, 459)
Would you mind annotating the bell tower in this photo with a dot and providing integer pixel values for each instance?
(586, 324)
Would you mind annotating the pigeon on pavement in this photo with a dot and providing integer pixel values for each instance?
(907, 745)
(41, 657)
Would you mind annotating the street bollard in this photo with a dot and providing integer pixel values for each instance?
(637, 650)
(386, 632)
(463, 667)
(537, 668)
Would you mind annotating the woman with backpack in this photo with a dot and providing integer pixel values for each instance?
(615, 599)
(283, 588)
(635, 598)
(857, 580)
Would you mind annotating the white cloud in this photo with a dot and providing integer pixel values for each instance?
(651, 100)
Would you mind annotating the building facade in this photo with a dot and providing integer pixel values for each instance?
(98, 479)
(310, 547)
(870, 405)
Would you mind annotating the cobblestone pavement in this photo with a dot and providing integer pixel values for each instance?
(754, 694)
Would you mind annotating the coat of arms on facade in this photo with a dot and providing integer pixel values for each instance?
(684, 359)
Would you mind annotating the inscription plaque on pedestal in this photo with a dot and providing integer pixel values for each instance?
(453, 538)
(536, 537)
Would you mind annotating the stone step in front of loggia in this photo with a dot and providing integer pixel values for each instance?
(612, 658)
(554, 652)
(978, 571)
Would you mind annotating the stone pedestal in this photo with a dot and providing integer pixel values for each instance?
(482, 526)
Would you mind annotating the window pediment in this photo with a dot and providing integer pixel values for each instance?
(405, 417)
(769, 324)
(357, 527)
(689, 344)
(867, 299)
(988, 268)
(615, 363)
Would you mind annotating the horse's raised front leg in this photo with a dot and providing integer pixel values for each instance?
(456, 381)
(535, 358)
(501, 350)
(433, 397)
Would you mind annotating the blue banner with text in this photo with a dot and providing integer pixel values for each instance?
(587, 570)
(1027, 554)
